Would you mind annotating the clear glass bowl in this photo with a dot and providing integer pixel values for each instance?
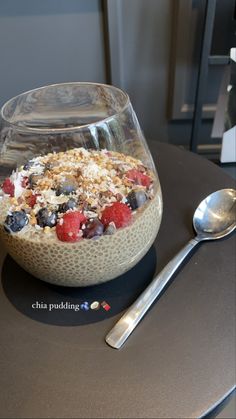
(98, 122)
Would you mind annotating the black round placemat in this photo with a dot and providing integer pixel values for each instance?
(66, 306)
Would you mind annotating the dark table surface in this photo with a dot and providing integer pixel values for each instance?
(178, 363)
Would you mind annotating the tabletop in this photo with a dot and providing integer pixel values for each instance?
(180, 360)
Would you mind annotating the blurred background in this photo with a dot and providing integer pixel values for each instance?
(171, 56)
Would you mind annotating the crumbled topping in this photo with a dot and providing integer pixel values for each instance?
(94, 179)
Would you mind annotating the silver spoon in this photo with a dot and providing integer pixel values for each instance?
(214, 218)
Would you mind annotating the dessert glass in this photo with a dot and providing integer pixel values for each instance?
(62, 117)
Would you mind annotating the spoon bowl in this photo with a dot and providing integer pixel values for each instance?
(214, 218)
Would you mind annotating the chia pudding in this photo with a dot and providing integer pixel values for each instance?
(80, 217)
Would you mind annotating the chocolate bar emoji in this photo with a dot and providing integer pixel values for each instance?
(105, 305)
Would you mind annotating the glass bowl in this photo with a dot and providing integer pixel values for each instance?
(80, 198)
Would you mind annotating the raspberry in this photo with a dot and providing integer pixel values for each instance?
(68, 227)
(32, 199)
(118, 213)
(24, 181)
(138, 177)
(8, 187)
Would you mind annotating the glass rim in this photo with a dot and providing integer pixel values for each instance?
(25, 128)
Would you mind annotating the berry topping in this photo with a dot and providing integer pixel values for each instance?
(35, 164)
(110, 229)
(25, 182)
(93, 228)
(136, 199)
(16, 221)
(8, 187)
(66, 188)
(46, 218)
(70, 204)
(138, 177)
(28, 165)
(68, 227)
(32, 199)
(118, 213)
(99, 188)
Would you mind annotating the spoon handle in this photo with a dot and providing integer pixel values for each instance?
(130, 319)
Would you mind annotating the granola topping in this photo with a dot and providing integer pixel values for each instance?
(78, 180)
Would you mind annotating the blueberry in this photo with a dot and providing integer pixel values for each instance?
(33, 163)
(70, 204)
(46, 218)
(110, 229)
(136, 199)
(28, 165)
(16, 221)
(93, 228)
(65, 188)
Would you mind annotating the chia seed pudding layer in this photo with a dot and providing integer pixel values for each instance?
(80, 217)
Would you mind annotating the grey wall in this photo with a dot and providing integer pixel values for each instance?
(146, 46)
(146, 49)
(49, 41)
